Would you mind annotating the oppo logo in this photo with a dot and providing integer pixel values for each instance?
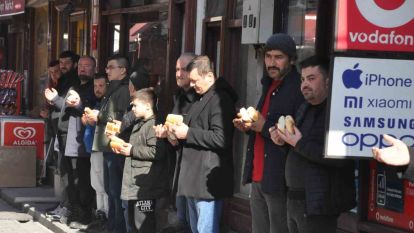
(386, 18)
(24, 132)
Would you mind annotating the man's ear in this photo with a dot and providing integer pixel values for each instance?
(327, 83)
(75, 65)
(211, 76)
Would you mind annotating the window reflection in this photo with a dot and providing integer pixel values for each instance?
(302, 25)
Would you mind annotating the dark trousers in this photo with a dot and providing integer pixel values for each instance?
(113, 170)
(75, 178)
(268, 211)
(299, 222)
(138, 221)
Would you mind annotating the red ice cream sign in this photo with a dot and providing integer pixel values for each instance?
(377, 25)
(24, 134)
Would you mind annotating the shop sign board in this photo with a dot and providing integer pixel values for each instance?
(375, 25)
(24, 133)
(369, 97)
(391, 199)
(11, 7)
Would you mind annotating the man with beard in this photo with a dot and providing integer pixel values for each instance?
(324, 187)
(75, 164)
(265, 161)
(68, 62)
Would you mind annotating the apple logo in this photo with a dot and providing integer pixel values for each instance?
(351, 78)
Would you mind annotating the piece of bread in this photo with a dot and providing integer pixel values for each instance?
(173, 119)
(281, 124)
(112, 127)
(253, 113)
(289, 123)
(88, 111)
(286, 123)
(116, 143)
(245, 115)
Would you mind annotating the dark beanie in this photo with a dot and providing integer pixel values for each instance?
(282, 42)
(139, 77)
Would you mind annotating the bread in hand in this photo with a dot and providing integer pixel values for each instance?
(286, 123)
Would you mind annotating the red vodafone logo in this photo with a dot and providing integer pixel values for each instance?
(386, 18)
(383, 25)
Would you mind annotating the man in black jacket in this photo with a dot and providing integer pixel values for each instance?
(319, 189)
(265, 162)
(113, 106)
(183, 100)
(206, 173)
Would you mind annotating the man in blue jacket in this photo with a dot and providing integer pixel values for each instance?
(265, 161)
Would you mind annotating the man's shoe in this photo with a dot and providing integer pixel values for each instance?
(78, 225)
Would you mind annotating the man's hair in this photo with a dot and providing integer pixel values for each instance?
(121, 60)
(53, 63)
(146, 95)
(69, 54)
(321, 61)
(90, 58)
(202, 64)
(188, 55)
(101, 76)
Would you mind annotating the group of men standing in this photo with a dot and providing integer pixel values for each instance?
(293, 187)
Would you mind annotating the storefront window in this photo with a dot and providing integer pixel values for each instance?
(214, 8)
(239, 9)
(148, 47)
(302, 25)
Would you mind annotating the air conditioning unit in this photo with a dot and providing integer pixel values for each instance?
(257, 21)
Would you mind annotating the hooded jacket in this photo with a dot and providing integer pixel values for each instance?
(207, 159)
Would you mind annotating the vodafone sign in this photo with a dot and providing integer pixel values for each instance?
(378, 25)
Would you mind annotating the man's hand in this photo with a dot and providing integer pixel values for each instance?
(92, 118)
(396, 155)
(275, 136)
(50, 94)
(126, 149)
(241, 125)
(180, 130)
(84, 119)
(73, 99)
(161, 131)
(290, 138)
(257, 126)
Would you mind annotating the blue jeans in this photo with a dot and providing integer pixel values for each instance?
(113, 170)
(204, 215)
(182, 213)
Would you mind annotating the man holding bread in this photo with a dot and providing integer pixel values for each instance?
(114, 105)
(182, 99)
(76, 160)
(206, 175)
(319, 189)
(265, 161)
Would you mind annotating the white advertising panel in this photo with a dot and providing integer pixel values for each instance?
(370, 97)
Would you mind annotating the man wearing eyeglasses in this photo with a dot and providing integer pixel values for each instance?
(113, 106)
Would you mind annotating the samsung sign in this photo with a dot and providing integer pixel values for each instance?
(375, 25)
(369, 97)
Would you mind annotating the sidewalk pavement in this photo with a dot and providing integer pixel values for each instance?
(35, 201)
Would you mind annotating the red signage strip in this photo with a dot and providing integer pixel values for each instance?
(11, 7)
(375, 25)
